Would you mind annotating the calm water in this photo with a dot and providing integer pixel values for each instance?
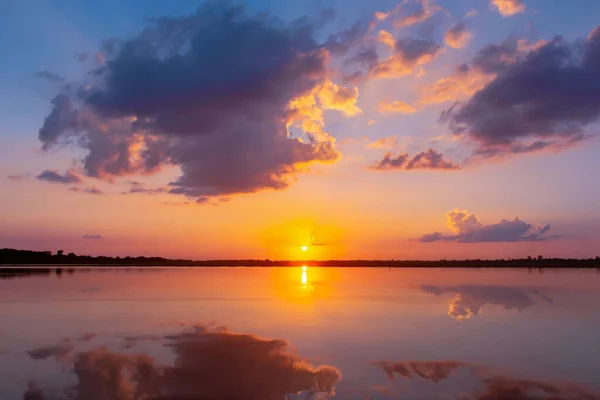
(264, 333)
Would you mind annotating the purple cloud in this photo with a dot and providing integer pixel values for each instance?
(468, 229)
(173, 96)
(53, 176)
(429, 159)
(544, 99)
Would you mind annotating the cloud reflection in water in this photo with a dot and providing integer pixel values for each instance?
(209, 364)
(470, 299)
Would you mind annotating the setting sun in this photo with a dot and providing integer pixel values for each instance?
(304, 248)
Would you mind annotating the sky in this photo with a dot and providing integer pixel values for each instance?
(421, 129)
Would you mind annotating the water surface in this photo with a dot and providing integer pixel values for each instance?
(347, 333)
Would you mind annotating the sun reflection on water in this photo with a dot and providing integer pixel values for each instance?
(304, 279)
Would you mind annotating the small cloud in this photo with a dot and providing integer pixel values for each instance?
(51, 76)
(176, 203)
(53, 176)
(371, 122)
(99, 58)
(137, 188)
(380, 16)
(18, 177)
(386, 142)
(90, 190)
(429, 159)
(414, 13)
(92, 237)
(394, 107)
(471, 14)
(457, 37)
(434, 371)
(509, 8)
(386, 38)
(57, 351)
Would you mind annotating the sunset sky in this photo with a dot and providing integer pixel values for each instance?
(424, 129)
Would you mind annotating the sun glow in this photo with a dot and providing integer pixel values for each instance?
(304, 248)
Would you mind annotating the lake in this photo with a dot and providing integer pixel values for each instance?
(305, 332)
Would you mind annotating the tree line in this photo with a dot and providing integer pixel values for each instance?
(14, 257)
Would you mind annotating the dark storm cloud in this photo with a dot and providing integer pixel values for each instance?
(212, 93)
(53, 176)
(470, 299)
(429, 159)
(548, 98)
(209, 364)
(92, 237)
(468, 229)
(51, 76)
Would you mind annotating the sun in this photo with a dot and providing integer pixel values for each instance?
(304, 248)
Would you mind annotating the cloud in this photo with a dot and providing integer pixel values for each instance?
(407, 53)
(51, 76)
(92, 237)
(59, 351)
(137, 187)
(434, 371)
(470, 299)
(468, 229)
(90, 190)
(472, 13)
(493, 385)
(209, 364)
(411, 13)
(53, 176)
(232, 127)
(429, 159)
(17, 177)
(394, 107)
(539, 101)
(468, 79)
(509, 8)
(503, 387)
(33, 393)
(458, 36)
(387, 142)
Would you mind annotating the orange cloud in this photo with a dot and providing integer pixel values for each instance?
(307, 110)
(457, 37)
(387, 142)
(386, 38)
(459, 85)
(380, 16)
(394, 107)
(425, 11)
(508, 8)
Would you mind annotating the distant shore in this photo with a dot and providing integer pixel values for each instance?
(12, 259)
